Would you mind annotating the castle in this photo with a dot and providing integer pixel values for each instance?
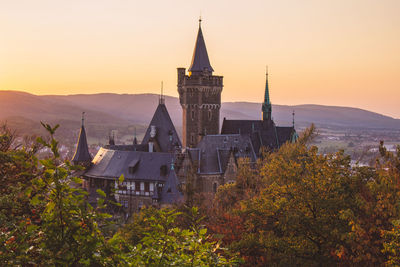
(157, 171)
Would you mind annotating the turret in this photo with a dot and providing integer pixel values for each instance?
(82, 155)
(266, 106)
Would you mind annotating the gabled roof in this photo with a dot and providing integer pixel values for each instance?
(164, 129)
(170, 193)
(200, 59)
(135, 147)
(213, 151)
(285, 134)
(82, 151)
(110, 164)
(262, 133)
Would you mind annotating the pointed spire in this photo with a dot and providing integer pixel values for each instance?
(200, 60)
(134, 138)
(82, 154)
(266, 106)
(83, 117)
(162, 102)
(293, 118)
(111, 140)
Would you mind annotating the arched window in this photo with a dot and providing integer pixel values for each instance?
(193, 113)
(209, 114)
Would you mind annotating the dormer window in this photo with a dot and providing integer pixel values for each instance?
(133, 166)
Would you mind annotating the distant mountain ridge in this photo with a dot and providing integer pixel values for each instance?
(128, 109)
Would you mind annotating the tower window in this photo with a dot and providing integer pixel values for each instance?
(192, 138)
(193, 113)
(209, 114)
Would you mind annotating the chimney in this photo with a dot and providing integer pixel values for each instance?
(151, 147)
(153, 131)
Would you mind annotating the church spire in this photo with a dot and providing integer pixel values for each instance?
(200, 61)
(82, 155)
(266, 106)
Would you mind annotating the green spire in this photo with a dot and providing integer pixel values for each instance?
(266, 106)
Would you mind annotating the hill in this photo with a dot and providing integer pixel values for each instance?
(106, 112)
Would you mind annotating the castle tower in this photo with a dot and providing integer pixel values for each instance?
(266, 106)
(199, 95)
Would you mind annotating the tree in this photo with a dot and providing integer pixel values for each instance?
(51, 222)
(163, 243)
(309, 209)
(18, 167)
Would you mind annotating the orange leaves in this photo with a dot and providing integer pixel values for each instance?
(10, 240)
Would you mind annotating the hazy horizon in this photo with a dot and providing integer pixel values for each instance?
(341, 53)
(239, 101)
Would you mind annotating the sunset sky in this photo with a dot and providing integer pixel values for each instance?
(337, 52)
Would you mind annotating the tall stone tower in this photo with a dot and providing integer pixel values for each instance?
(199, 95)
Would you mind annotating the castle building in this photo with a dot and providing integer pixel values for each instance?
(148, 168)
(157, 171)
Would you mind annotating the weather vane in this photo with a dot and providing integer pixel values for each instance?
(83, 117)
(200, 19)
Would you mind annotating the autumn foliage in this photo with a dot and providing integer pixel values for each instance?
(298, 207)
(294, 207)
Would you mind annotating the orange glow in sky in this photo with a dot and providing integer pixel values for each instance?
(342, 52)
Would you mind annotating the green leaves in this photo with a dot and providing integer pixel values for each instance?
(51, 220)
(35, 200)
(49, 129)
(165, 244)
(121, 179)
(101, 193)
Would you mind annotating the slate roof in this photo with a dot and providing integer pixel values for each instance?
(82, 151)
(200, 59)
(110, 164)
(284, 134)
(262, 133)
(213, 151)
(164, 128)
(135, 147)
(170, 193)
